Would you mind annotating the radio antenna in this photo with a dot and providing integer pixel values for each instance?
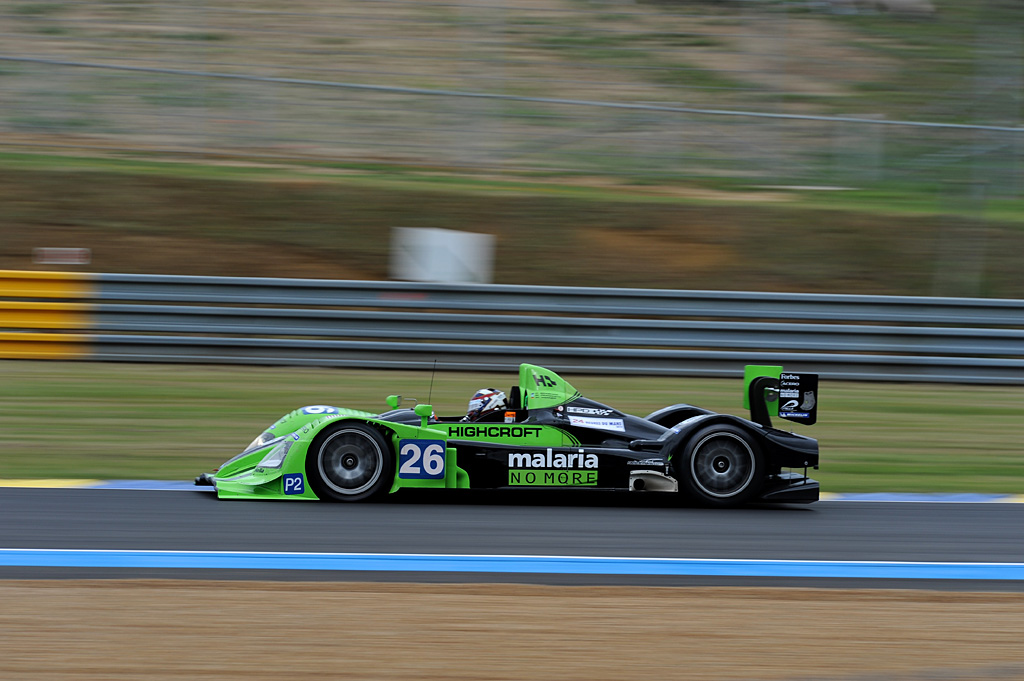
(432, 372)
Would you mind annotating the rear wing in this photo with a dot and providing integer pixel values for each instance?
(769, 391)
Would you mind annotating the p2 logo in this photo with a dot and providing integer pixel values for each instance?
(293, 483)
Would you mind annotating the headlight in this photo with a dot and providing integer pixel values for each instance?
(275, 457)
(261, 440)
(264, 440)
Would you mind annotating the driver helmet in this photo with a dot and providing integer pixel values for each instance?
(483, 401)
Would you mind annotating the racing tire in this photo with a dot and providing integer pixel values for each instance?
(720, 465)
(350, 461)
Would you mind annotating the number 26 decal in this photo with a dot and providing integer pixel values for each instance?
(421, 460)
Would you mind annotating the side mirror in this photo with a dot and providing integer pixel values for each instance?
(423, 411)
(393, 401)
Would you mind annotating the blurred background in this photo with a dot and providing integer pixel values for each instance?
(764, 149)
(747, 146)
(815, 145)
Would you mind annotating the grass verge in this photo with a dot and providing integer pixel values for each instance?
(93, 420)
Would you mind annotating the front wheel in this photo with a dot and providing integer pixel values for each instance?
(721, 466)
(350, 462)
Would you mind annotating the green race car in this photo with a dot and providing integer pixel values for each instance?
(545, 435)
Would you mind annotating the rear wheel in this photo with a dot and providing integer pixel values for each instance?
(721, 466)
(350, 462)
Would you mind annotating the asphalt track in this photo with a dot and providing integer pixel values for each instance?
(625, 531)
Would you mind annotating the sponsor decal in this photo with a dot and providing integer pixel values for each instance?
(510, 417)
(293, 483)
(602, 424)
(799, 391)
(548, 459)
(421, 460)
(589, 411)
(319, 409)
(544, 381)
(494, 431)
(809, 400)
(552, 478)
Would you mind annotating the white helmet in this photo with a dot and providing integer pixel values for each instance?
(483, 401)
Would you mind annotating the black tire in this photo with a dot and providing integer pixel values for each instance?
(350, 461)
(720, 466)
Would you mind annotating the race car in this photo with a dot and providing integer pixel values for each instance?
(545, 435)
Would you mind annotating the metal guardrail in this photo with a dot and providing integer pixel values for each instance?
(167, 318)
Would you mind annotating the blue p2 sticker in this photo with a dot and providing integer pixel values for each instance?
(293, 483)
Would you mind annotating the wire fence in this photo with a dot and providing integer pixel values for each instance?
(826, 94)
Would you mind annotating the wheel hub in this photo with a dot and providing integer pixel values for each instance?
(350, 462)
(722, 465)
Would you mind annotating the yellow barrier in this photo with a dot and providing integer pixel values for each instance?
(25, 321)
(24, 284)
(43, 346)
(24, 315)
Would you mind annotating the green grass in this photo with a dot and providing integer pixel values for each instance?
(93, 420)
(894, 200)
(35, 9)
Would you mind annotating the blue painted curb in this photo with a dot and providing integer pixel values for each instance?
(963, 498)
(576, 565)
